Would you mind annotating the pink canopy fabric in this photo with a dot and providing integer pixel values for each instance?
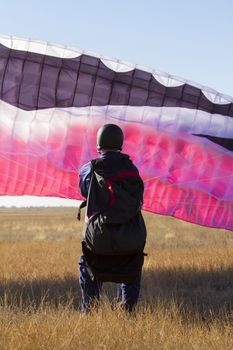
(179, 134)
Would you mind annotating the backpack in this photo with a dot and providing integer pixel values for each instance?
(114, 223)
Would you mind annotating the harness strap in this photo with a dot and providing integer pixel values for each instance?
(82, 205)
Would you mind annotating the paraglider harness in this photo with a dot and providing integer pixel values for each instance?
(114, 233)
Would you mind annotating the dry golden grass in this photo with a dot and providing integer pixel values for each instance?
(186, 296)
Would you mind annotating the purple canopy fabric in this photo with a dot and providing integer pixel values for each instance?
(53, 99)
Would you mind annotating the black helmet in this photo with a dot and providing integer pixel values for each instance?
(110, 136)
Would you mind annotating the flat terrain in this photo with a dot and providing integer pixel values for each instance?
(186, 296)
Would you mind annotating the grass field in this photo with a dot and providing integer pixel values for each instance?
(186, 297)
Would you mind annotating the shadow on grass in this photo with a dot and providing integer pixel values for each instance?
(197, 293)
(202, 294)
(34, 294)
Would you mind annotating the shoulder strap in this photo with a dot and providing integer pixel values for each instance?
(84, 203)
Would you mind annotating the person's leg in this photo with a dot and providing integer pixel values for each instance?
(128, 294)
(119, 297)
(90, 289)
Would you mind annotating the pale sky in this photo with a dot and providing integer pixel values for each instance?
(189, 39)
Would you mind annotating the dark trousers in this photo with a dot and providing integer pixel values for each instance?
(127, 293)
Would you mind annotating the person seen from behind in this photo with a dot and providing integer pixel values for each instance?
(114, 230)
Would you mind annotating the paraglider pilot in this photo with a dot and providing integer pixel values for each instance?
(114, 231)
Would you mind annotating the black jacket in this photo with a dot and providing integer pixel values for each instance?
(114, 222)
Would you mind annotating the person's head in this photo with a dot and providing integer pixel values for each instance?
(110, 137)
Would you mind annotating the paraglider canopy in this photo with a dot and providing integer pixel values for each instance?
(54, 99)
